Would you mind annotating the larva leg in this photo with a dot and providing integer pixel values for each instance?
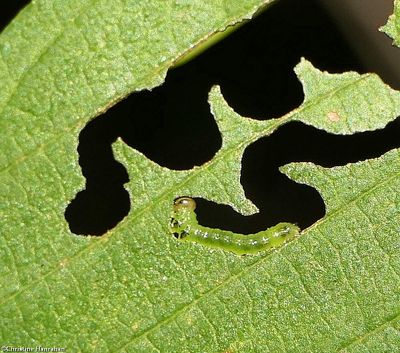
(185, 227)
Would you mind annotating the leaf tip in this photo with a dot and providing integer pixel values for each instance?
(390, 28)
(303, 66)
(298, 171)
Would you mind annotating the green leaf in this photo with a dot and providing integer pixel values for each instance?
(344, 103)
(392, 27)
(353, 257)
(137, 289)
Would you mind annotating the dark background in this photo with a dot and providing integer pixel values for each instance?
(254, 67)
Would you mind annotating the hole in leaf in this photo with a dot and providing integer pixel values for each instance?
(281, 199)
(254, 67)
(155, 123)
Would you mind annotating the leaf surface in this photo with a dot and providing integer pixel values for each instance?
(392, 27)
(137, 289)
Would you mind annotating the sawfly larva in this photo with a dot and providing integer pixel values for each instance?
(184, 227)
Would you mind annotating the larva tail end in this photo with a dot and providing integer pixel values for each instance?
(286, 230)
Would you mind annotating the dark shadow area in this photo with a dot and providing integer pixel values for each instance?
(156, 123)
(280, 199)
(172, 124)
(9, 9)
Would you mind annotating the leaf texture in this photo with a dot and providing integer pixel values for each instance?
(136, 289)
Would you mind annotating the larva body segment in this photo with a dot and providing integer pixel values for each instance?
(184, 226)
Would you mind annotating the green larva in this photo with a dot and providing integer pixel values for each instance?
(184, 227)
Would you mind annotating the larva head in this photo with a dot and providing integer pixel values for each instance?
(184, 203)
